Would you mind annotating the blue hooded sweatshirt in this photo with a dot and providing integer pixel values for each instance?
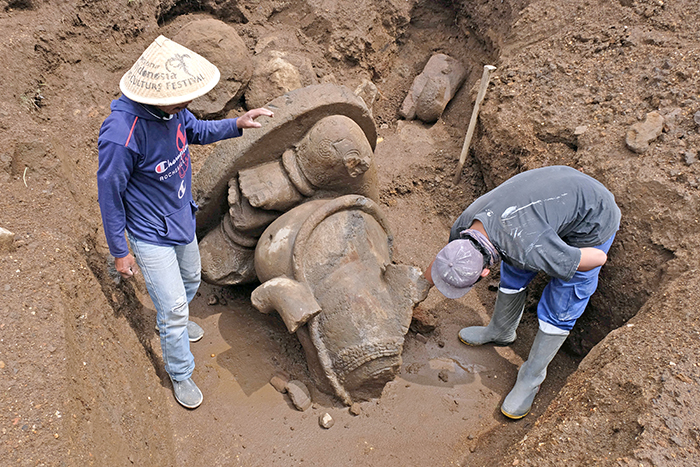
(144, 179)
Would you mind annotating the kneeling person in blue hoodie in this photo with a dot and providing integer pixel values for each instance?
(144, 183)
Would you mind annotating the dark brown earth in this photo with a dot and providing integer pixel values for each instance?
(81, 380)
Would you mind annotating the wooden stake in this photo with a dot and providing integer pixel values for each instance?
(485, 77)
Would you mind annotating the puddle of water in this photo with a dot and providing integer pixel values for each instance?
(453, 365)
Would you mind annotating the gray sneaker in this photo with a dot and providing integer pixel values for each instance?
(187, 393)
(194, 331)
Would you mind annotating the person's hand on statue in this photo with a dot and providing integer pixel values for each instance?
(247, 120)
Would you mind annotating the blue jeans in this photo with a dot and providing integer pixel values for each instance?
(562, 302)
(172, 275)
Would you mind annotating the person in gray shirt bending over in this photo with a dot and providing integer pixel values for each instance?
(554, 219)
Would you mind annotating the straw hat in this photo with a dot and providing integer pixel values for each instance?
(167, 73)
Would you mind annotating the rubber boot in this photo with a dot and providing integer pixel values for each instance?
(501, 329)
(518, 402)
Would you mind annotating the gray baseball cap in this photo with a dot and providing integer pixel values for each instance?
(456, 268)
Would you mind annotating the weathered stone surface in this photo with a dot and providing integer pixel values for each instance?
(220, 44)
(326, 421)
(275, 74)
(368, 91)
(279, 384)
(433, 88)
(340, 250)
(423, 320)
(333, 158)
(295, 114)
(642, 133)
(355, 409)
(225, 261)
(690, 157)
(267, 186)
(335, 154)
(325, 265)
(250, 220)
(299, 395)
(294, 301)
(7, 240)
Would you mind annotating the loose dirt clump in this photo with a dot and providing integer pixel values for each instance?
(81, 379)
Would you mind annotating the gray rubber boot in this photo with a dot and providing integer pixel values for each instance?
(187, 393)
(518, 402)
(501, 329)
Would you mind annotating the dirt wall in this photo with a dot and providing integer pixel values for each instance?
(572, 79)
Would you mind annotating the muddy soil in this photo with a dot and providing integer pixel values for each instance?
(81, 379)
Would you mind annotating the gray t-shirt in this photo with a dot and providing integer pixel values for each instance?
(538, 219)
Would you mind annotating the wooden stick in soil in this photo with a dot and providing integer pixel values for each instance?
(485, 77)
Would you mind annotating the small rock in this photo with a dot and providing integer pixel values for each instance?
(326, 421)
(2, 365)
(677, 440)
(367, 90)
(355, 409)
(444, 376)
(696, 118)
(441, 343)
(279, 384)
(7, 240)
(423, 320)
(421, 338)
(642, 133)
(671, 120)
(579, 130)
(690, 157)
(213, 300)
(299, 394)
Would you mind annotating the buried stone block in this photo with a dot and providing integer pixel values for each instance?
(7, 240)
(642, 133)
(299, 395)
(433, 89)
(218, 42)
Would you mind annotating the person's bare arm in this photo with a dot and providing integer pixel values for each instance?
(591, 258)
(427, 275)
